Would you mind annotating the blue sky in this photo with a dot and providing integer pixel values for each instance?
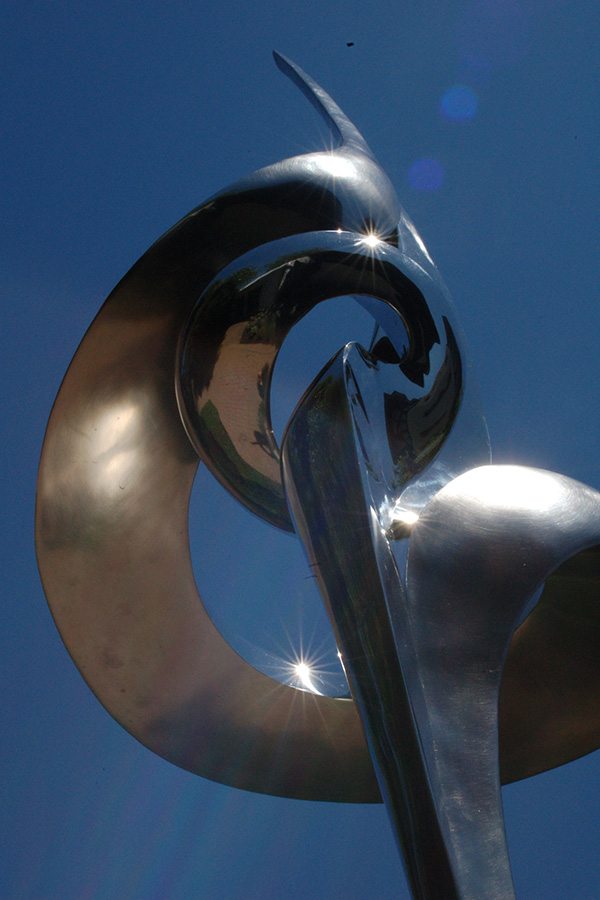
(117, 120)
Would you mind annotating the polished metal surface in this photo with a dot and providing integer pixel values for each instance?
(427, 569)
(117, 466)
(424, 650)
(235, 331)
(290, 236)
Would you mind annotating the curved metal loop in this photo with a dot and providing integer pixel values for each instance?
(339, 199)
(115, 477)
(114, 482)
(236, 329)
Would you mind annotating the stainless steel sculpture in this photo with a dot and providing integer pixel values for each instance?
(428, 559)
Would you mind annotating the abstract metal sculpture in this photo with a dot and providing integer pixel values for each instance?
(428, 560)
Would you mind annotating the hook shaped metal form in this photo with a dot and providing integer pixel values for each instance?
(321, 225)
(117, 469)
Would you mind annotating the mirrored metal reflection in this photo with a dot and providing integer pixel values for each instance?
(235, 331)
(424, 656)
(273, 239)
(212, 299)
(117, 466)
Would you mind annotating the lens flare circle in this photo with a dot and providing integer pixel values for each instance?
(459, 104)
(426, 174)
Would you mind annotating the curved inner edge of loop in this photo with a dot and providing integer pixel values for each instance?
(254, 579)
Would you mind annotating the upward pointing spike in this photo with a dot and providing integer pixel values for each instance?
(345, 132)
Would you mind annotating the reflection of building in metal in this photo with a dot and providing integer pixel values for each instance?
(229, 406)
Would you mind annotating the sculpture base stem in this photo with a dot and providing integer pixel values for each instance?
(433, 741)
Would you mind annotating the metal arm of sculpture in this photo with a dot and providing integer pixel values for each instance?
(427, 558)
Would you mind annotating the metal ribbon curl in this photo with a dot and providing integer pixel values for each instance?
(240, 321)
(217, 293)
(350, 236)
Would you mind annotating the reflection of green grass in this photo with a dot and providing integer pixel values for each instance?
(261, 494)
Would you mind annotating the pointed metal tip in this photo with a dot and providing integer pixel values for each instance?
(341, 126)
(291, 70)
(280, 59)
(286, 65)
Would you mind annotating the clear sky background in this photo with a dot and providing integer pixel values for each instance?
(117, 119)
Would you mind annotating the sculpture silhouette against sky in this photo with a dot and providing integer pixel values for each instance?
(429, 560)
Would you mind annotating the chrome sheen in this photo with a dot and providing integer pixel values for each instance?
(428, 560)
(424, 648)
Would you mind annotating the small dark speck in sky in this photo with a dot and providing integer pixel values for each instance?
(350, 44)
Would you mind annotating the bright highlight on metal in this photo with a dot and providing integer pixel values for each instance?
(427, 558)
(370, 240)
(305, 676)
